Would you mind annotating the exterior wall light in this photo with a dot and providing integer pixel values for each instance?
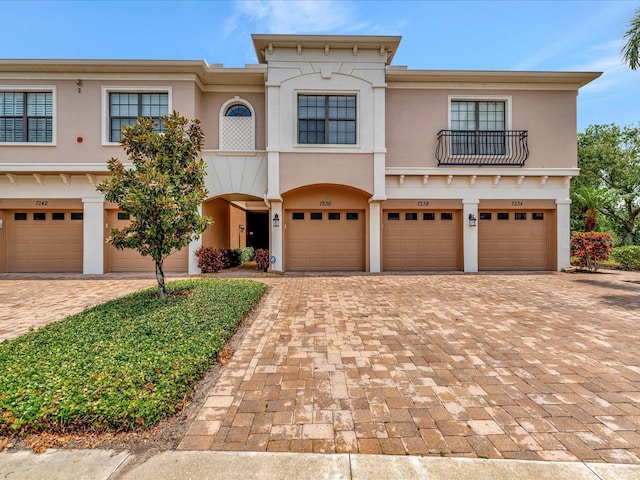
(472, 220)
(276, 220)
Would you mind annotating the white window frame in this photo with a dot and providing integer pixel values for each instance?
(223, 110)
(507, 99)
(325, 146)
(54, 119)
(106, 90)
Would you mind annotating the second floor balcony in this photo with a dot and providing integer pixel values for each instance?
(482, 148)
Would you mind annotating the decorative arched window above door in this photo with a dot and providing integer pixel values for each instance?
(237, 125)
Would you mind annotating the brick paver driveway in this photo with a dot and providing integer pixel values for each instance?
(542, 367)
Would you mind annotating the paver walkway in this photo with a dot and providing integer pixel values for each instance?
(32, 301)
(543, 367)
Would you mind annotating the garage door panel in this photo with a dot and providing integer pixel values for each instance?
(325, 244)
(514, 244)
(421, 244)
(39, 246)
(129, 260)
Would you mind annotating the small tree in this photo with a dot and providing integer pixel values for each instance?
(592, 200)
(162, 192)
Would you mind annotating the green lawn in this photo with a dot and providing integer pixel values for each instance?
(121, 365)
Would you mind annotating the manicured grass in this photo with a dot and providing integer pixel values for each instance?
(122, 365)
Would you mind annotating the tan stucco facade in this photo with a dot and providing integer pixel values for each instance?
(259, 165)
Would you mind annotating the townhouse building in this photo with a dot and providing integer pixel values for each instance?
(324, 152)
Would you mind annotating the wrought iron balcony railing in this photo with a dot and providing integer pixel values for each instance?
(482, 148)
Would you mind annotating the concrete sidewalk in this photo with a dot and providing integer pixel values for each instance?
(184, 465)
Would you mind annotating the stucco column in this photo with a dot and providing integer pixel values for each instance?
(375, 253)
(193, 246)
(93, 234)
(276, 237)
(470, 235)
(563, 215)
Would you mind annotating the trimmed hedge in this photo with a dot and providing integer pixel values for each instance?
(122, 365)
(628, 256)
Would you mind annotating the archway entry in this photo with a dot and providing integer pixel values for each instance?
(239, 221)
(325, 228)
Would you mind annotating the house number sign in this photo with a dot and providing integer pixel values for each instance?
(41, 203)
(423, 203)
(325, 203)
(517, 203)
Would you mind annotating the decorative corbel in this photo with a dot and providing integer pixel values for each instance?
(449, 180)
(92, 179)
(39, 179)
(543, 180)
(472, 180)
(65, 178)
(496, 180)
(425, 180)
(401, 180)
(12, 179)
(519, 181)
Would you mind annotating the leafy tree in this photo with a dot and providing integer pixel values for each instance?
(592, 200)
(631, 47)
(162, 192)
(609, 158)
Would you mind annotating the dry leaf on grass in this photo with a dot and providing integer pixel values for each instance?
(225, 355)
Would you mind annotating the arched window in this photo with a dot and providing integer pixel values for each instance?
(237, 125)
(237, 110)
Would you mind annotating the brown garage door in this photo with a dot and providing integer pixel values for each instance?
(44, 241)
(421, 240)
(325, 240)
(514, 240)
(129, 260)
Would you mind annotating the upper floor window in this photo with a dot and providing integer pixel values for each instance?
(482, 125)
(125, 108)
(26, 117)
(237, 125)
(238, 111)
(327, 119)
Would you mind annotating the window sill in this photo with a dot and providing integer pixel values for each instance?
(27, 144)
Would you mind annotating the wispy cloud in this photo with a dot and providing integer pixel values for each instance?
(296, 16)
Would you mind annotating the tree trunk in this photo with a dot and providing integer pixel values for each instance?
(629, 236)
(162, 289)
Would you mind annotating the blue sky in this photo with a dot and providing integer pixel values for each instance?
(466, 35)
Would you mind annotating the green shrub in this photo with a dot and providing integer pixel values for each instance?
(247, 254)
(122, 365)
(628, 257)
(590, 248)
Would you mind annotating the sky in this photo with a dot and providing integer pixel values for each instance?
(569, 35)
